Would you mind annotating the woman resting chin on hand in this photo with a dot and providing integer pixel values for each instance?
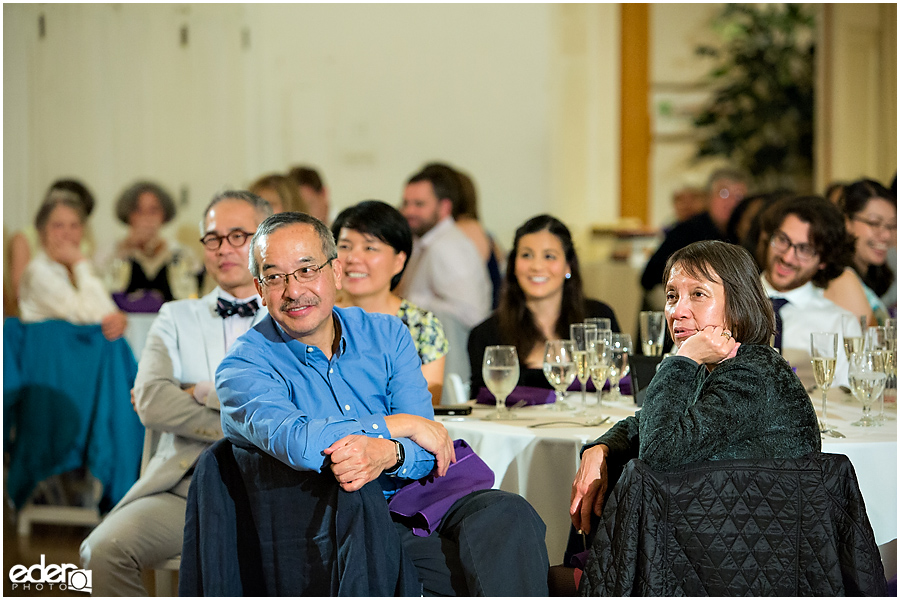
(726, 393)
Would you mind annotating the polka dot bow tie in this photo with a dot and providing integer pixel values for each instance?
(226, 308)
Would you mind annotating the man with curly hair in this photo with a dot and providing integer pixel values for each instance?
(803, 246)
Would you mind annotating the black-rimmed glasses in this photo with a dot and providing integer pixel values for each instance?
(236, 238)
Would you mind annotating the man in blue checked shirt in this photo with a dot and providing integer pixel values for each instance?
(340, 392)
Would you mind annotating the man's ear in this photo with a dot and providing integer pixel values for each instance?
(338, 268)
(259, 290)
(445, 207)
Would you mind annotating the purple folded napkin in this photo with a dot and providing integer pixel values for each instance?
(424, 502)
(141, 301)
(531, 395)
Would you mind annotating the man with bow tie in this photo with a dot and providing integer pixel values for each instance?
(174, 395)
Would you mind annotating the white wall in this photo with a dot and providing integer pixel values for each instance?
(366, 92)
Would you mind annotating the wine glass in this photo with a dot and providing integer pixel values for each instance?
(890, 356)
(653, 332)
(875, 340)
(823, 353)
(866, 383)
(852, 328)
(620, 348)
(600, 358)
(500, 370)
(559, 367)
(602, 323)
(583, 337)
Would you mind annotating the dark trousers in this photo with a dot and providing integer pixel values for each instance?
(490, 543)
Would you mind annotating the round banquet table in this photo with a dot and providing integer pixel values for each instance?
(539, 463)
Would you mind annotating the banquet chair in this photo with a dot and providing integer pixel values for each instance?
(163, 573)
(769, 527)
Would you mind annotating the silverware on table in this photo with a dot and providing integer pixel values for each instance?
(588, 423)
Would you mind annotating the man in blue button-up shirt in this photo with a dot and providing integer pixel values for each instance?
(325, 389)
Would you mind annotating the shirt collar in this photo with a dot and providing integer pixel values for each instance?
(436, 231)
(799, 296)
(301, 350)
(223, 294)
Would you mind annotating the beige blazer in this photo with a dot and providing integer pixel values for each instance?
(185, 345)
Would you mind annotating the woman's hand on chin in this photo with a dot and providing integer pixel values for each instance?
(709, 346)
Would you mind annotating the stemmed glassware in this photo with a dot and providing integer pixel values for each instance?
(823, 353)
(875, 340)
(620, 348)
(583, 339)
(602, 323)
(852, 330)
(559, 368)
(600, 359)
(866, 383)
(653, 332)
(500, 370)
(890, 356)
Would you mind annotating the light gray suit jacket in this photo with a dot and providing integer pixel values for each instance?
(185, 345)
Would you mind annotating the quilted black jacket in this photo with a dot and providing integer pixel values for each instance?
(773, 527)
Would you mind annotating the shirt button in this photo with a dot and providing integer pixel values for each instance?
(346, 407)
(380, 437)
(375, 426)
(331, 370)
(404, 471)
(309, 348)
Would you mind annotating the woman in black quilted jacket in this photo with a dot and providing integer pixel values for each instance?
(725, 394)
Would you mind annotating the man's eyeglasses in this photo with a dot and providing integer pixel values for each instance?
(278, 281)
(236, 238)
(877, 224)
(783, 243)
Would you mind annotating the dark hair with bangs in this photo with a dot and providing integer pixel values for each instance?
(748, 311)
(379, 219)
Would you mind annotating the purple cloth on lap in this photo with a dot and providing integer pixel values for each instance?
(426, 501)
(144, 301)
(531, 395)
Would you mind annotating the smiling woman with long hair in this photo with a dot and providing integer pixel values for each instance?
(542, 295)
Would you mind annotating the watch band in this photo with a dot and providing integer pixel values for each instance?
(401, 456)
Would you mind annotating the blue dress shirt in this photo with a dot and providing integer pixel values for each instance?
(289, 400)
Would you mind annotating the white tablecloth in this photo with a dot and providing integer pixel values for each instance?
(540, 463)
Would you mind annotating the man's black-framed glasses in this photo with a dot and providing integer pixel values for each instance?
(236, 238)
(278, 281)
(781, 242)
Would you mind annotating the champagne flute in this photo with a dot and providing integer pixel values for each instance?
(600, 365)
(823, 353)
(559, 367)
(653, 332)
(866, 383)
(620, 348)
(582, 336)
(890, 356)
(602, 323)
(500, 370)
(875, 340)
(852, 328)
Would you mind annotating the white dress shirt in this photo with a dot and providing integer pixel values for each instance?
(447, 275)
(46, 293)
(809, 311)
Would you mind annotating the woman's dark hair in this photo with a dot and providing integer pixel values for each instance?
(376, 218)
(826, 232)
(851, 202)
(748, 311)
(58, 197)
(76, 187)
(128, 200)
(517, 325)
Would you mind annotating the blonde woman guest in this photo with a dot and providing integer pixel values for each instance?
(60, 283)
(280, 192)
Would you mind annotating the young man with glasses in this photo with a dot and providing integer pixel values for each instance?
(338, 395)
(174, 395)
(804, 245)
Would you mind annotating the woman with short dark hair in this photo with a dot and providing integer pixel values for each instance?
(725, 394)
(374, 244)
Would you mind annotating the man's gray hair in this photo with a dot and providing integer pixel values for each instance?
(277, 221)
(263, 209)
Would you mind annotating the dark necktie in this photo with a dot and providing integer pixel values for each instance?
(777, 305)
(226, 308)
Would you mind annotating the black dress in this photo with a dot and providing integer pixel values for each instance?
(487, 333)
